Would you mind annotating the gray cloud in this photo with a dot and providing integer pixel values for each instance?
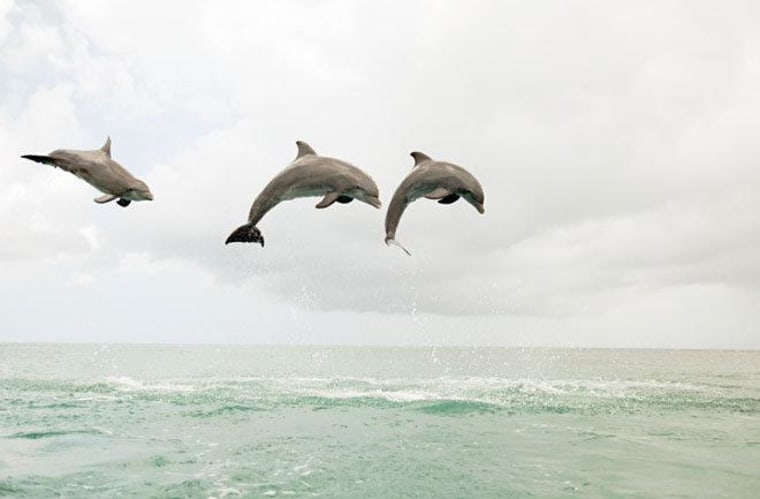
(616, 145)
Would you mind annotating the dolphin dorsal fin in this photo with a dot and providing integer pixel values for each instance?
(107, 147)
(304, 149)
(419, 157)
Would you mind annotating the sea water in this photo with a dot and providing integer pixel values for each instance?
(263, 421)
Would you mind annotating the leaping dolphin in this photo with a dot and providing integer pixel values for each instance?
(445, 182)
(100, 171)
(308, 175)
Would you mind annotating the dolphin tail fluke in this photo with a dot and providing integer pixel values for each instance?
(247, 233)
(390, 241)
(40, 159)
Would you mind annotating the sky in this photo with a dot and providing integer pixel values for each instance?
(617, 144)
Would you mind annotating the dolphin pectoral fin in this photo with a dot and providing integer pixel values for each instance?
(390, 241)
(344, 199)
(439, 193)
(451, 198)
(329, 199)
(106, 198)
(123, 202)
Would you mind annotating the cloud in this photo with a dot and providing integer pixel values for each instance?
(616, 146)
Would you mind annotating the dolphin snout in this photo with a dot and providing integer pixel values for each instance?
(374, 201)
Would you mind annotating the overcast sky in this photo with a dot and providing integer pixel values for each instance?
(618, 145)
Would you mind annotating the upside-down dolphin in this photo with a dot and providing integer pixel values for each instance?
(308, 175)
(100, 171)
(445, 182)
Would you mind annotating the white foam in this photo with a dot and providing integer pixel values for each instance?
(126, 383)
(392, 396)
(493, 390)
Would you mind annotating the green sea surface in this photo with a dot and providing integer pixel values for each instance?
(264, 421)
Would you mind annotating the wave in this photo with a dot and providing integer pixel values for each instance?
(36, 435)
(210, 397)
(127, 383)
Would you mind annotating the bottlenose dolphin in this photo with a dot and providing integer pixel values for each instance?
(445, 182)
(100, 171)
(308, 175)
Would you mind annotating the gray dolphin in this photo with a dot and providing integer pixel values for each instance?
(308, 175)
(445, 182)
(100, 171)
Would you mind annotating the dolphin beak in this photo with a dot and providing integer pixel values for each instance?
(374, 201)
(149, 196)
(481, 209)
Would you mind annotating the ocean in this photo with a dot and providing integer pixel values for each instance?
(265, 421)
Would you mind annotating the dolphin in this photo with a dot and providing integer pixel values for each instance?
(308, 175)
(445, 182)
(100, 171)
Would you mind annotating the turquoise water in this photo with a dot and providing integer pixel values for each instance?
(247, 421)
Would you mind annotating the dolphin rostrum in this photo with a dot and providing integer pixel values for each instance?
(445, 182)
(100, 171)
(308, 175)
